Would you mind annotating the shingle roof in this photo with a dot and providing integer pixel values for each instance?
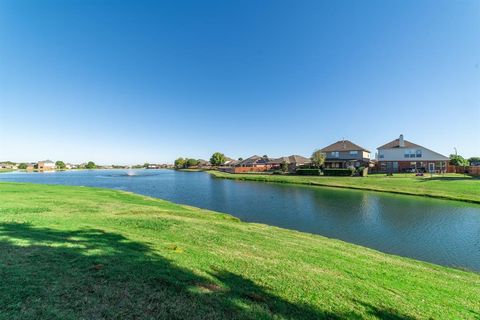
(407, 144)
(343, 145)
(396, 144)
(291, 159)
(254, 160)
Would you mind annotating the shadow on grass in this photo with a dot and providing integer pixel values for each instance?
(91, 274)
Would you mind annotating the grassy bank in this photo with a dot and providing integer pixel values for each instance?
(451, 186)
(74, 252)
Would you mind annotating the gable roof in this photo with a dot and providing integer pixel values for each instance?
(396, 144)
(291, 159)
(46, 161)
(343, 145)
(254, 160)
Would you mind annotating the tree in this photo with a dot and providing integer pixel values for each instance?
(22, 166)
(179, 163)
(217, 159)
(457, 160)
(318, 158)
(284, 166)
(474, 160)
(240, 159)
(90, 165)
(60, 165)
(146, 165)
(191, 163)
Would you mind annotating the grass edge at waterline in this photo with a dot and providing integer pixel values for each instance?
(461, 188)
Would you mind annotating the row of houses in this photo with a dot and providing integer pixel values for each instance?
(398, 155)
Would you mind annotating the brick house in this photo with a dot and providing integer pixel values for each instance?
(344, 154)
(293, 162)
(252, 164)
(401, 155)
(46, 165)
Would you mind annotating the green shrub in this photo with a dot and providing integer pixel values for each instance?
(362, 171)
(277, 172)
(308, 172)
(339, 172)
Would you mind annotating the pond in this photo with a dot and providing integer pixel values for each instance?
(433, 230)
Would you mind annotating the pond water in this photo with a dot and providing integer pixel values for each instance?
(433, 230)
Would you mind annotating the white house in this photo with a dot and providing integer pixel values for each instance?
(401, 155)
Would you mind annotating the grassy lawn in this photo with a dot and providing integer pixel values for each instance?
(449, 186)
(85, 253)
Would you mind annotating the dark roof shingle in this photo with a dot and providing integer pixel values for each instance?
(396, 144)
(343, 145)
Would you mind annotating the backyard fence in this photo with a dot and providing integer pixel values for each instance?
(470, 170)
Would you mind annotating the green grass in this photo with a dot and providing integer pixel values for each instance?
(85, 253)
(449, 186)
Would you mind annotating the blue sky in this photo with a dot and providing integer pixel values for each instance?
(147, 81)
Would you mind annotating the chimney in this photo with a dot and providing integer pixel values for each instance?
(401, 143)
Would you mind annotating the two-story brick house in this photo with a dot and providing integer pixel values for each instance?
(344, 154)
(401, 155)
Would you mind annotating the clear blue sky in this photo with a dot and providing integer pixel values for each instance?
(135, 81)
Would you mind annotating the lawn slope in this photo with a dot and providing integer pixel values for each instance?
(451, 186)
(85, 253)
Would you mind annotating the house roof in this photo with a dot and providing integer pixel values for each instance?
(343, 145)
(254, 160)
(46, 161)
(396, 144)
(407, 144)
(203, 162)
(291, 159)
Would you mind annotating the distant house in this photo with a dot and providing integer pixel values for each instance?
(204, 164)
(46, 165)
(401, 155)
(230, 162)
(30, 166)
(251, 164)
(293, 162)
(255, 162)
(8, 165)
(344, 154)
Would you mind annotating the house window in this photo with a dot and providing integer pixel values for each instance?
(383, 166)
(419, 153)
(410, 153)
(335, 154)
(353, 153)
(380, 154)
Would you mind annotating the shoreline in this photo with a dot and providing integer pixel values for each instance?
(62, 239)
(316, 181)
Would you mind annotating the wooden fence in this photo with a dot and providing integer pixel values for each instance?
(470, 170)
